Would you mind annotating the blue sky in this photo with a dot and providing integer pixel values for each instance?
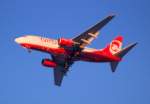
(24, 80)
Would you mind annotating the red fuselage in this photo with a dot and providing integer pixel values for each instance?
(51, 46)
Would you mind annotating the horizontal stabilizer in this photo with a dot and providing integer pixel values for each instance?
(125, 50)
(113, 66)
(120, 54)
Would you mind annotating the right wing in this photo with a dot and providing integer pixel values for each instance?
(89, 35)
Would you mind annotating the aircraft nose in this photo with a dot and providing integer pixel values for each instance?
(18, 40)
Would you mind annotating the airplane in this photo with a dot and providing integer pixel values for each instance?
(64, 52)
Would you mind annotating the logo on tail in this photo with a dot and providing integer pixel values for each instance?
(115, 46)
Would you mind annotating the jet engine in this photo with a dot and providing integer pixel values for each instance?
(48, 63)
(65, 42)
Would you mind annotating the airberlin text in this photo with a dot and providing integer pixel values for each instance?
(47, 40)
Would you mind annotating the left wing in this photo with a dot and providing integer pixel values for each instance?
(61, 69)
(58, 75)
(88, 36)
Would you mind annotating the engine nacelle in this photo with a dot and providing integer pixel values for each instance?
(48, 63)
(65, 42)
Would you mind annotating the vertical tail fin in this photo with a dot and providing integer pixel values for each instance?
(115, 46)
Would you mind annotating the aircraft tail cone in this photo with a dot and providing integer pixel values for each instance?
(120, 54)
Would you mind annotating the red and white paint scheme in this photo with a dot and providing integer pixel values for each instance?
(64, 52)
